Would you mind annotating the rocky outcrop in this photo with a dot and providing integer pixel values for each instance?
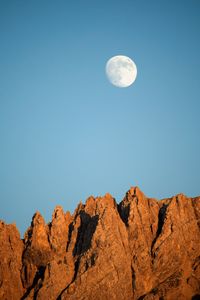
(11, 249)
(139, 249)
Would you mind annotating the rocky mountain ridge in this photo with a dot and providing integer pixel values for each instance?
(139, 249)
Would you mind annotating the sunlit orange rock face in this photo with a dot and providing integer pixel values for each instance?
(139, 249)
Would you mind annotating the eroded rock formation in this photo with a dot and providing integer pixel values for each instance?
(139, 249)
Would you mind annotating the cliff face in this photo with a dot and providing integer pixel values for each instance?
(139, 249)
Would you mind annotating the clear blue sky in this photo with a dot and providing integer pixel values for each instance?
(66, 132)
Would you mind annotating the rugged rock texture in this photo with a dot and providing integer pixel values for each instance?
(140, 249)
(11, 249)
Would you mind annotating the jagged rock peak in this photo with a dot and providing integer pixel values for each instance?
(37, 217)
(135, 193)
(58, 212)
(139, 249)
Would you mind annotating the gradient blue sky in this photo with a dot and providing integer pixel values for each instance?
(66, 132)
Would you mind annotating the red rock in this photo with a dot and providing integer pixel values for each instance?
(139, 249)
(11, 249)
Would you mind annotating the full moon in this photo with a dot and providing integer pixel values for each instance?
(121, 71)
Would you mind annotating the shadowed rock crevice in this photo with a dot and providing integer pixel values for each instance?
(124, 212)
(133, 278)
(71, 228)
(161, 219)
(39, 276)
(196, 297)
(85, 233)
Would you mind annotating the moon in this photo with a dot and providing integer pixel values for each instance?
(121, 71)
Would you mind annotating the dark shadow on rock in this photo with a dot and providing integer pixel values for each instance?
(71, 228)
(85, 233)
(39, 275)
(124, 212)
(196, 297)
(133, 278)
(161, 219)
